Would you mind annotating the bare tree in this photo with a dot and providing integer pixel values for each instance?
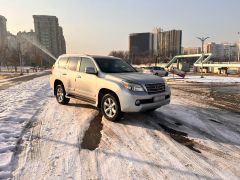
(120, 54)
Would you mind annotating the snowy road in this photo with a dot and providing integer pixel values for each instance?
(183, 140)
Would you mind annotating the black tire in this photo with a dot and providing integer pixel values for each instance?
(113, 112)
(156, 74)
(61, 95)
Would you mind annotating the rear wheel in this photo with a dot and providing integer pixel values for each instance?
(110, 107)
(61, 95)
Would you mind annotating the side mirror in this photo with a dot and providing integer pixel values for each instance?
(90, 70)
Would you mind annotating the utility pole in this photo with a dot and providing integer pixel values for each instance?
(203, 39)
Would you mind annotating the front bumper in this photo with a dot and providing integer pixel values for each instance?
(147, 101)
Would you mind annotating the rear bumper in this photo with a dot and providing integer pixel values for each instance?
(147, 102)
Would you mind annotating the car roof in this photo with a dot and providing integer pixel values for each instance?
(103, 57)
(86, 55)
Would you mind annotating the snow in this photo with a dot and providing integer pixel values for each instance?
(136, 147)
(18, 105)
(19, 77)
(206, 79)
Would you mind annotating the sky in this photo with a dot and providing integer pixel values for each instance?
(100, 26)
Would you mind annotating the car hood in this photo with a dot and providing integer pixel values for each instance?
(139, 78)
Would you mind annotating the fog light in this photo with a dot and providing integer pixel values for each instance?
(137, 102)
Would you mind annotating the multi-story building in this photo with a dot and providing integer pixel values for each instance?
(216, 49)
(12, 41)
(26, 40)
(192, 50)
(29, 36)
(3, 31)
(223, 51)
(62, 43)
(49, 34)
(169, 43)
(230, 51)
(141, 44)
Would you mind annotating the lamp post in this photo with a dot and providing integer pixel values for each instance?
(202, 40)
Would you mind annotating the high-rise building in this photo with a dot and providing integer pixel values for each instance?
(141, 44)
(3, 31)
(169, 43)
(62, 43)
(141, 47)
(49, 34)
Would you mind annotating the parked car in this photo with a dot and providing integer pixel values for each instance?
(109, 83)
(159, 71)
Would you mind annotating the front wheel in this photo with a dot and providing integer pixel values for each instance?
(110, 107)
(61, 95)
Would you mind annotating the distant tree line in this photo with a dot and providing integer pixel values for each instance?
(29, 54)
(144, 58)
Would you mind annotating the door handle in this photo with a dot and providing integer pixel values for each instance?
(78, 77)
(64, 74)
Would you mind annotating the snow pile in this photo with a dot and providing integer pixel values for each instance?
(207, 79)
(18, 105)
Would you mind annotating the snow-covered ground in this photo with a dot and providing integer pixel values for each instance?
(183, 140)
(19, 77)
(206, 79)
(19, 104)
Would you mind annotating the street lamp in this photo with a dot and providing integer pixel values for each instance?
(202, 40)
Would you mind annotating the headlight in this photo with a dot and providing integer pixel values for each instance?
(133, 87)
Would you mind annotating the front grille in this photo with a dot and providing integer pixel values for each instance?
(155, 88)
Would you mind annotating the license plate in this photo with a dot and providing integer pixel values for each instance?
(158, 98)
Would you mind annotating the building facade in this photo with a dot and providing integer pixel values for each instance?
(3, 31)
(224, 51)
(62, 43)
(141, 44)
(169, 43)
(192, 50)
(49, 34)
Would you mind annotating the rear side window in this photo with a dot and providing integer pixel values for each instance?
(62, 63)
(86, 63)
(72, 63)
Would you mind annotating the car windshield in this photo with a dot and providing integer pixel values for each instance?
(114, 65)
